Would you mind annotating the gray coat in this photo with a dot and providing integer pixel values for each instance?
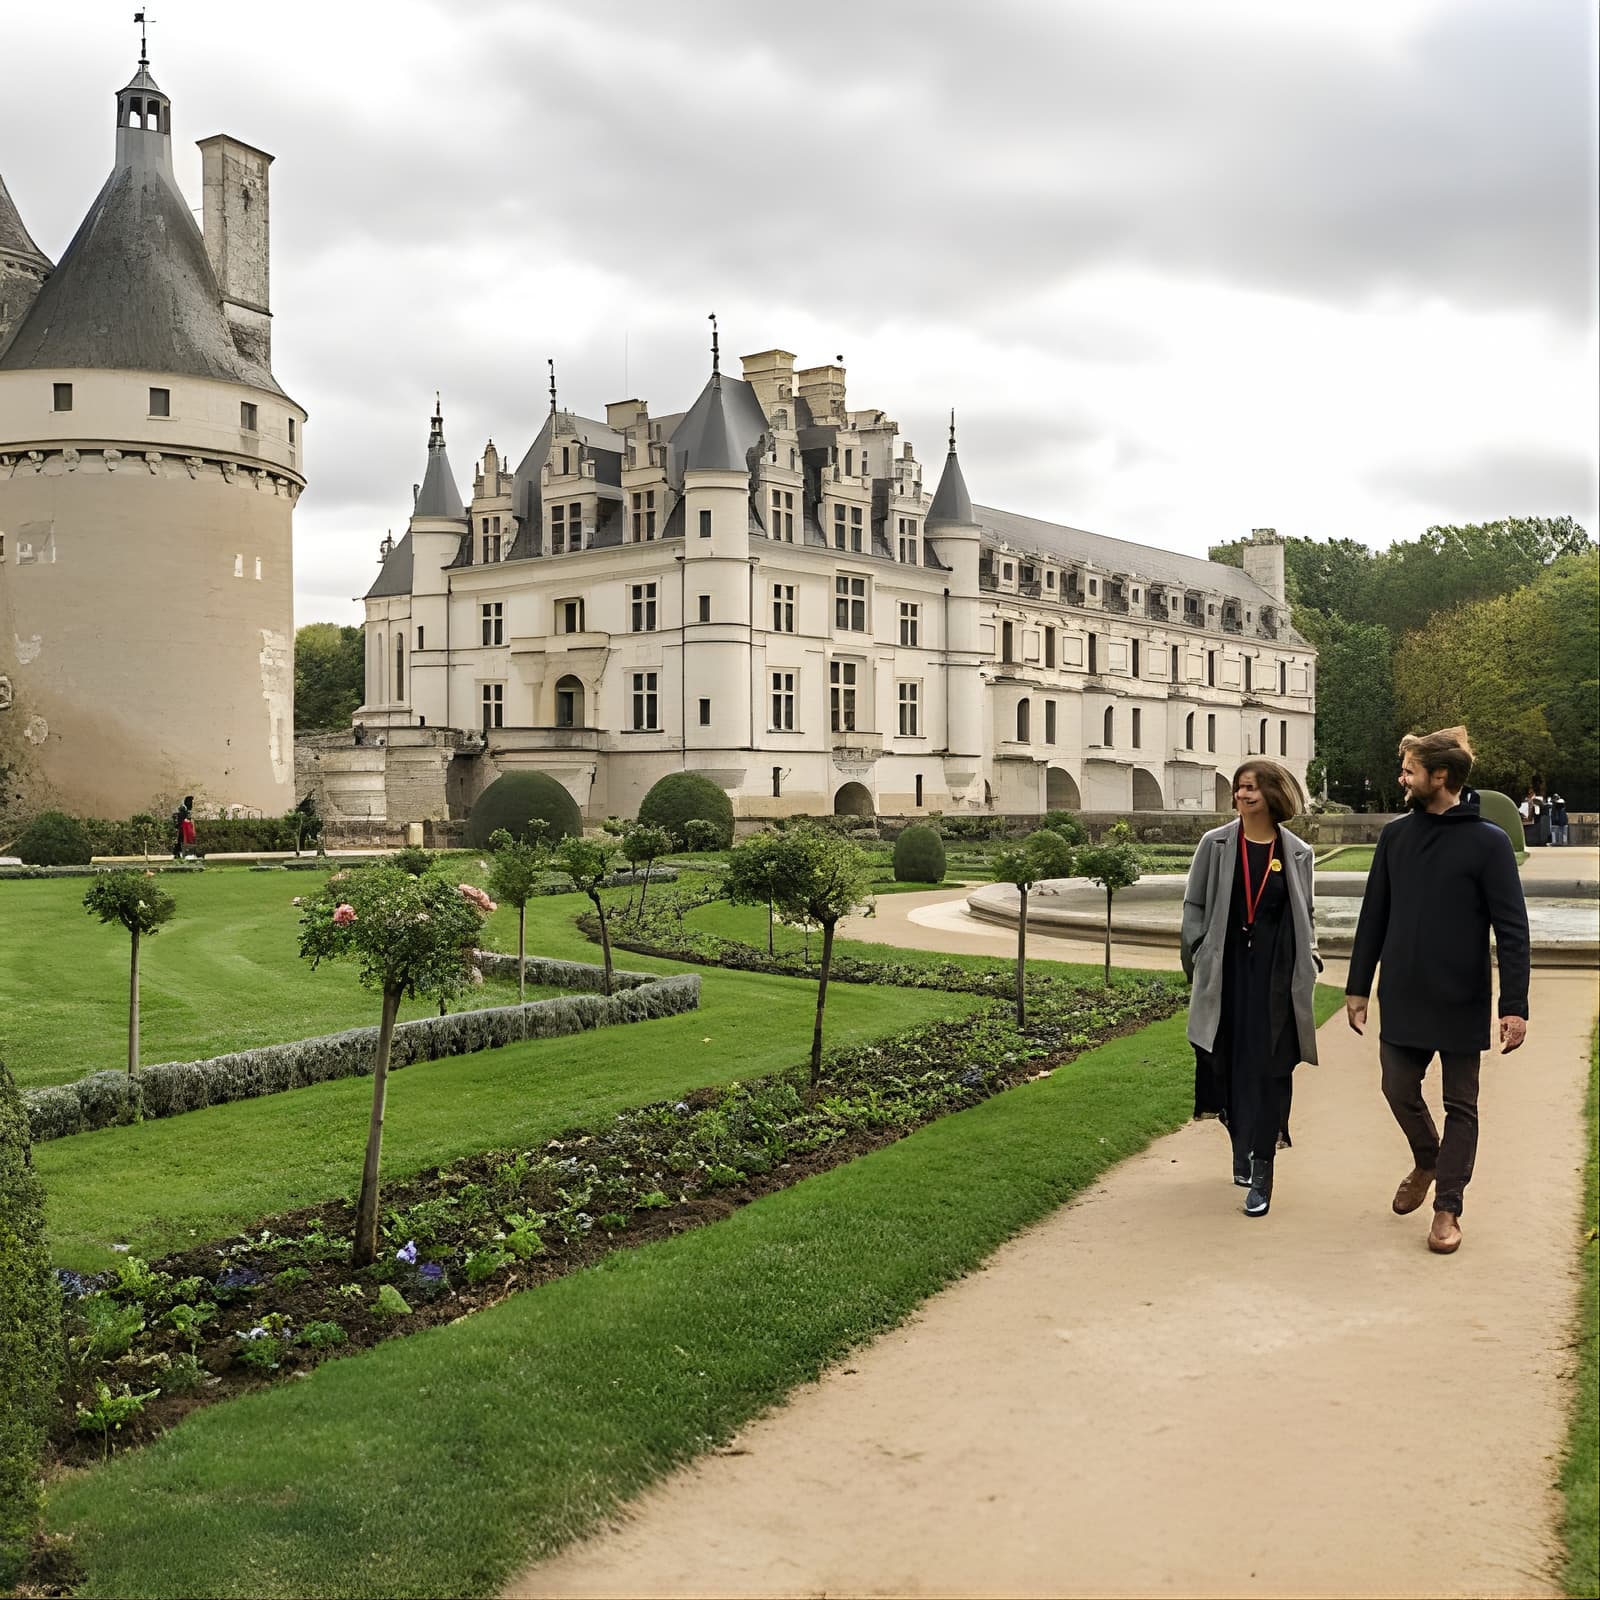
(1205, 931)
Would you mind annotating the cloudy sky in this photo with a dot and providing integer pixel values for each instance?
(1183, 269)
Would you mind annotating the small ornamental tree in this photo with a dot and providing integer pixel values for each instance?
(515, 871)
(139, 903)
(1040, 856)
(144, 828)
(1114, 865)
(821, 877)
(701, 834)
(30, 1335)
(644, 845)
(753, 873)
(587, 862)
(409, 936)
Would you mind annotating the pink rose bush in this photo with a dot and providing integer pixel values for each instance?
(343, 915)
(475, 896)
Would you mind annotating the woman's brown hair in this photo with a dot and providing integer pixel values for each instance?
(1277, 788)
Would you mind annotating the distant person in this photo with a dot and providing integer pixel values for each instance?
(1558, 820)
(1441, 877)
(1250, 948)
(1535, 818)
(183, 828)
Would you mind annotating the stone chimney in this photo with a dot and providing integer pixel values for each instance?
(771, 374)
(1263, 562)
(822, 388)
(234, 176)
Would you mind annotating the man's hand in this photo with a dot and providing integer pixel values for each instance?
(1513, 1030)
(1355, 1011)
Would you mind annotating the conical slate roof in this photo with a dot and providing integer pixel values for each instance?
(718, 431)
(438, 496)
(14, 239)
(951, 502)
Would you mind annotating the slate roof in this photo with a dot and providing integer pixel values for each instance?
(14, 238)
(720, 429)
(134, 291)
(394, 577)
(439, 496)
(951, 502)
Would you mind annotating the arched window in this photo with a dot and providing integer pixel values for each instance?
(1110, 731)
(399, 666)
(379, 644)
(1188, 732)
(1262, 747)
(1024, 721)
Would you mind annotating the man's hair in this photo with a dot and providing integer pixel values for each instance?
(1277, 788)
(1447, 749)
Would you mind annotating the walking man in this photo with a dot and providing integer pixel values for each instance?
(1441, 876)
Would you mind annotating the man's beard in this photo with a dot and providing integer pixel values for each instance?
(1416, 801)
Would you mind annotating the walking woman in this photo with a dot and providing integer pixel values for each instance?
(1250, 948)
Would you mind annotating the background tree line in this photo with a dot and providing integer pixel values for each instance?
(329, 676)
(1494, 624)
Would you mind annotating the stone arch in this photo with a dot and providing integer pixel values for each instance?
(1146, 791)
(570, 701)
(1060, 791)
(1224, 792)
(853, 800)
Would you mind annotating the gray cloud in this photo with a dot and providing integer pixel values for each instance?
(1493, 484)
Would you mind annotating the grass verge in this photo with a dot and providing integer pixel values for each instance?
(439, 1464)
(1582, 1469)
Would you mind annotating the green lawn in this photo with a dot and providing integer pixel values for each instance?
(439, 1463)
(1580, 1478)
(1353, 858)
(225, 974)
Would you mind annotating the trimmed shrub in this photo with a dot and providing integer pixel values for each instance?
(677, 799)
(1067, 825)
(53, 839)
(412, 859)
(515, 799)
(919, 856)
(30, 1335)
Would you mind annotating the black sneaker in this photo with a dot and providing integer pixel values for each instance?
(1241, 1171)
(1259, 1200)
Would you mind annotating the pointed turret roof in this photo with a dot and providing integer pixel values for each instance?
(15, 241)
(719, 430)
(135, 289)
(951, 502)
(438, 496)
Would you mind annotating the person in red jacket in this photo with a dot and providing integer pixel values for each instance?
(1441, 877)
(184, 818)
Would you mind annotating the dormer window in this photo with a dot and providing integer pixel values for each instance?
(61, 397)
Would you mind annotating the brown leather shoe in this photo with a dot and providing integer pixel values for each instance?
(1444, 1237)
(1413, 1190)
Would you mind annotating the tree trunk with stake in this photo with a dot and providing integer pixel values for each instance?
(1022, 953)
(769, 923)
(133, 1008)
(605, 937)
(365, 1250)
(1108, 937)
(522, 954)
(822, 999)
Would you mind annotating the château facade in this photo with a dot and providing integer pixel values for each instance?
(149, 468)
(761, 588)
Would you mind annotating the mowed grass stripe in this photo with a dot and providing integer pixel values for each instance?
(158, 1186)
(1580, 1478)
(438, 1464)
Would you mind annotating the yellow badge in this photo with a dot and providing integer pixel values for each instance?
(1276, 864)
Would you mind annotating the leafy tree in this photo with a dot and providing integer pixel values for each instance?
(1355, 728)
(1114, 865)
(139, 903)
(753, 873)
(30, 1335)
(408, 936)
(587, 862)
(516, 870)
(1041, 855)
(53, 839)
(329, 675)
(643, 845)
(822, 876)
(145, 827)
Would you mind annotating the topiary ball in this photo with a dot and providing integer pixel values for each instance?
(514, 799)
(677, 799)
(53, 839)
(919, 856)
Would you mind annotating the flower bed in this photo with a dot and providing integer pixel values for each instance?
(149, 1343)
(102, 1099)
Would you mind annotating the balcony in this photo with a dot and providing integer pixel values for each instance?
(509, 739)
(855, 747)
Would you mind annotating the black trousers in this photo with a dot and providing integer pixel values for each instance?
(1451, 1157)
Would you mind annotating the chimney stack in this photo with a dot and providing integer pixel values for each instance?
(236, 233)
(1263, 562)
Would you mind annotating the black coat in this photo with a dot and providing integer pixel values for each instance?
(1437, 884)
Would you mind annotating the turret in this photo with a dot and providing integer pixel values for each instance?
(952, 530)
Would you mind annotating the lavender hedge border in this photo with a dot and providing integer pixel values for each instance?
(104, 1099)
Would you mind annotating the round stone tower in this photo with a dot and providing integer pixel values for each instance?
(149, 469)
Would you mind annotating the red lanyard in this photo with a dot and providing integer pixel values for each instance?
(1252, 900)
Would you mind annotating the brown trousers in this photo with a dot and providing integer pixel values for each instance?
(1452, 1156)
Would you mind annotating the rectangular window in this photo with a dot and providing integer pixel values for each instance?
(1283, 677)
(906, 697)
(1094, 652)
(842, 696)
(705, 713)
(62, 397)
(492, 617)
(419, 636)
(777, 783)
(1049, 580)
(782, 526)
(850, 603)
(575, 526)
(1137, 730)
(644, 515)
(908, 541)
(1008, 641)
(491, 547)
(705, 524)
(705, 608)
(645, 702)
(558, 530)
(291, 432)
(1136, 662)
(1211, 668)
(642, 608)
(1049, 722)
(783, 608)
(247, 415)
(569, 616)
(494, 705)
(847, 526)
(1283, 738)
(1049, 647)
(783, 702)
(910, 623)
(160, 402)
(1094, 586)
(918, 801)
(1248, 664)
(1211, 732)
(838, 527)
(1005, 571)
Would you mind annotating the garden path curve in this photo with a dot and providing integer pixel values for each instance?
(1149, 1394)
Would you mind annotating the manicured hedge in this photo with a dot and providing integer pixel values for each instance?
(53, 839)
(919, 856)
(103, 1099)
(677, 799)
(515, 799)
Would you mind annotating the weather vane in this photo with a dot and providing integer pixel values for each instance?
(144, 44)
(551, 360)
(716, 354)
